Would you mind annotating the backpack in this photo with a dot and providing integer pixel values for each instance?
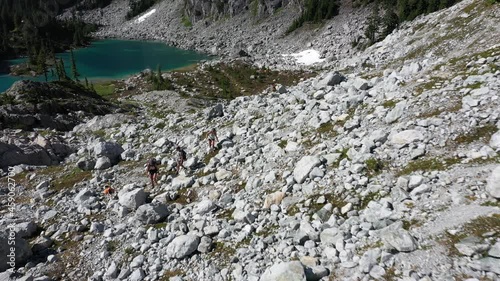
(152, 165)
(183, 155)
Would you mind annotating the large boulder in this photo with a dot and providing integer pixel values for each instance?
(286, 271)
(216, 111)
(395, 113)
(102, 163)
(406, 137)
(331, 79)
(204, 207)
(304, 167)
(397, 238)
(495, 141)
(26, 229)
(493, 185)
(132, 199)
(21, 254)
(182, 246)
(151, 213)
(182, 182)
(112, 150)
(12, 155)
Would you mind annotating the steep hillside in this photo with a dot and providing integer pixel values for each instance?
(384, 166)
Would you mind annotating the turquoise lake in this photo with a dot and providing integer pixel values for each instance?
(116, 59)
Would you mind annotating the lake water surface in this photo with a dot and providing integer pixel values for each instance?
(116, 59)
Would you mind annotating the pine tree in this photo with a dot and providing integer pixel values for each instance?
(86, 83)
(74, 70)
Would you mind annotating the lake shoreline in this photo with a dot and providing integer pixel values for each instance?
(113, 59)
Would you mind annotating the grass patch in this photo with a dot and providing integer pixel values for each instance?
(159, 225)
(491, 204)
(171, 273)
(331, 198)
(430, 164)
(326, 129)
(452, 107)
(222, 253)
(282, 144)
(389, 104)
(100, 133)
(374, 167)
(209, 156)
(390, 274)
(483, 134)
(112, 245)
(475, 228)
(71, 178)
(226, 214)
(230, 80)
(367, 199)
(186, 21)
(433, 83)
(408, 224)
(186, 196)
(105, 89)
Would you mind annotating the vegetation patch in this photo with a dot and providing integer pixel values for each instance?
(231, 80)
(429, 164)
(186, 196)
(482, 134)
(172, 273)
(225, 214)
(222, 253)
(389, 104)
(374, 166)
(282, 144)
(112, 245)
(186, 21)
(367, 199)
(335, 200)
(408, 224)
(326, 130)
(105, 89)
(474, 228)
(69, 179)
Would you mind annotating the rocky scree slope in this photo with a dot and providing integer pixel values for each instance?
(255, 28)
(375, 172)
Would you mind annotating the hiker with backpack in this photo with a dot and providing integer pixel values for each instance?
(153, 170)
(212, 138)
(181, 157)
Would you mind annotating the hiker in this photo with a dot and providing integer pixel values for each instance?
(181, 157)
(152, 170)
(212, 138)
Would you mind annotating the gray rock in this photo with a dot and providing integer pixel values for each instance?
(205, 244)
(399, 239)
(243, 216)
(182, 182)
(216, 111)
(304, 167)
(86, 164)
(21, 254)
(151, 213)
(102, 163)
(112, 271)
(487, 264)
(204, 207)
(331, 79)
(137, 275)
(286, 271)
(396, 112)
(182, 246)
(406, 137)
(26, 229)
(315, 273)
(330, 236)
(495, 141)
(111, 150)
(495, 250)
(493, 185)
(132, 199)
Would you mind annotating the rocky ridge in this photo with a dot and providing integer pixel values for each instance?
(386, 168)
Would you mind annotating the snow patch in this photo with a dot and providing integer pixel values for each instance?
(307, 57)
(145, 16)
